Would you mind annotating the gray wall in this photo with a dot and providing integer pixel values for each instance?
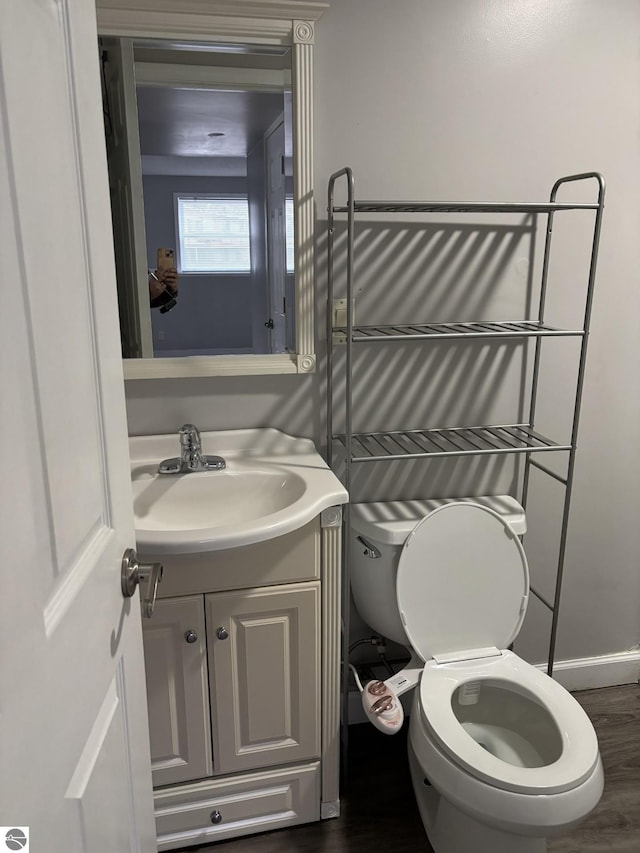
(479, 100)
(213, 311)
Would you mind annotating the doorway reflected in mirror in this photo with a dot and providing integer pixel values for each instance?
(199, 146)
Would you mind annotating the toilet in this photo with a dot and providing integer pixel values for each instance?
(501, 756)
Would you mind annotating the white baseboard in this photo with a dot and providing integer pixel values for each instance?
(578, 674)
(599, 671)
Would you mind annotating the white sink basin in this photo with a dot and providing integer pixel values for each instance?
(273, 484)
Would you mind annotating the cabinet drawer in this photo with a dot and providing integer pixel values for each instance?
(252, 803)
(285, 559)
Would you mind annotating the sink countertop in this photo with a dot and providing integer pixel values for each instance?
(273, 484)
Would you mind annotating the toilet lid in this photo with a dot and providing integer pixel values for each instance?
(462, 582)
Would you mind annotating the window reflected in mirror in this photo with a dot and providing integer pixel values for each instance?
(199, 148)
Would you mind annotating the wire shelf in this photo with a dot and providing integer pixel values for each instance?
(459, 441)
(439, 331)
(459, 207)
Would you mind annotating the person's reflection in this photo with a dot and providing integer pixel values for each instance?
(163, 289)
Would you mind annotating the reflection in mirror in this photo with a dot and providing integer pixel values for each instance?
(199, 145)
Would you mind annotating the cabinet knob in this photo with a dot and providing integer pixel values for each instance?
(222, 633)
(216, 816)
(191, 636)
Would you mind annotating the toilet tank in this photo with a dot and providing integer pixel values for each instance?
(377, 535)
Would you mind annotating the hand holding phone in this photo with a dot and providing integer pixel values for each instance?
(166, 275)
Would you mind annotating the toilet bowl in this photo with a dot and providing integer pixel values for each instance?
(501, 756)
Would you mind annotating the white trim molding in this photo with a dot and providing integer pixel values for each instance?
(599, 671)
(329, 810)
(202, 365)
(269, 9)
(275, 22)
(304, 262)
(331, 639)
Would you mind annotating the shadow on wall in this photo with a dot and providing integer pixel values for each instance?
(408, 272)
(404, 272)
(289, 403)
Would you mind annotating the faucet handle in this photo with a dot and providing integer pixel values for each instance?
(189, 435)
(191, 456)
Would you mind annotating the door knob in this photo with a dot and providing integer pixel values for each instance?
(134, 573)
(191, 636)
(222, 633)
(269, 323)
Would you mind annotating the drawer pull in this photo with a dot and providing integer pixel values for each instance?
(191, 636)
(216, 816)
(222, 633)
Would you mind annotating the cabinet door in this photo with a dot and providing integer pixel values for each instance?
(177, 690)
(264, 660)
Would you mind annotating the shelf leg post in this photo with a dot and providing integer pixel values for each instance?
(578, 399)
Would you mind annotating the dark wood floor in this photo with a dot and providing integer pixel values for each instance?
(379, 811)
(614, 827)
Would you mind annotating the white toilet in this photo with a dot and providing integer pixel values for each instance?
(501, 756)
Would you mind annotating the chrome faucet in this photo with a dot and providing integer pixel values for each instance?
(191, 457)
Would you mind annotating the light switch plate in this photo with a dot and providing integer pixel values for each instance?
(339, 319)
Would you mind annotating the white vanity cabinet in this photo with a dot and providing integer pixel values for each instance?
(242, 661)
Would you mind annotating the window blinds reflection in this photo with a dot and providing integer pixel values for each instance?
(213, 234)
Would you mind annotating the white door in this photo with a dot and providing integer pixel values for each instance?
(276, 237)
(74, 748)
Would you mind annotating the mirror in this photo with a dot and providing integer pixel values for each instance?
(210, 151)
(210, 157)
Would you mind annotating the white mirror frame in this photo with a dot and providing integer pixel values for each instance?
(277, 22)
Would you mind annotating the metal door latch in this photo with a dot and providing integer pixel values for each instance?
(134, 573)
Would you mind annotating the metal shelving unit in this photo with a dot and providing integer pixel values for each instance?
(451, 331)
(522, 438)
(459, 441)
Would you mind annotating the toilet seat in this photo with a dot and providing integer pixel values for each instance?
(579, 755)
(462, 582)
